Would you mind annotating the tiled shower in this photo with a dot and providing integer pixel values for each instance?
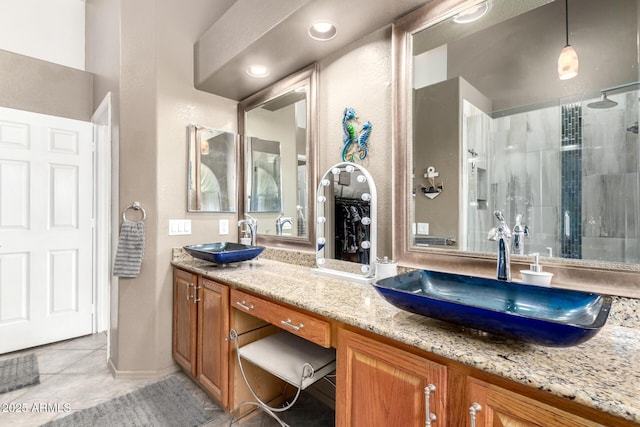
(571, 171)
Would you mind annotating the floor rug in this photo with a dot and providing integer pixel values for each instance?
(165, 403)
(18, 372)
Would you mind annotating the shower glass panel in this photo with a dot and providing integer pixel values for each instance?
(572, 170)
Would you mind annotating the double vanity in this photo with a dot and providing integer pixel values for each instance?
(466, 148)
(395, 367)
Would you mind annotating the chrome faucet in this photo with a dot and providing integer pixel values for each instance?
(502, 234)
(280, 222)
(252, 224)
(519, 233)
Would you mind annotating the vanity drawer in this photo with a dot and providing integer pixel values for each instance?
(308, 327)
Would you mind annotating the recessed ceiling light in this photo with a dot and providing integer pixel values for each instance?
(258, 71)
(323, 31)
(472, 14)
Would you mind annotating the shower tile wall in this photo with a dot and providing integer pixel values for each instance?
(611, 181)
(525, 174)
(525, 164)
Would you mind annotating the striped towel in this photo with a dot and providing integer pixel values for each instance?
(130, 249)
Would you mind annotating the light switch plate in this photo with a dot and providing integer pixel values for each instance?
(223, 227)
(179, 227)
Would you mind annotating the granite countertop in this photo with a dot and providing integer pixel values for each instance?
(603, 373)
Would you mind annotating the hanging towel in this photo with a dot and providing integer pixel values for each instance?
(130, 249)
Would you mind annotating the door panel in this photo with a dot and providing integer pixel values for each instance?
(14, 287)
(46, 229)
(14, 192)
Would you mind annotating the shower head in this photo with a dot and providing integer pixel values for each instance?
(603, 103)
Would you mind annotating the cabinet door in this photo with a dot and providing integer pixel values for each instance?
(380, 385)
(497, 407)
(213, 328)
(184, 320)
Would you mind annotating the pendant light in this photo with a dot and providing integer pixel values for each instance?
(568, 60)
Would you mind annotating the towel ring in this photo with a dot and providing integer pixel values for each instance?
(135, 206)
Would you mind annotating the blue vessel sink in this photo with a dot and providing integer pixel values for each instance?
(540, 315)
(224, 252)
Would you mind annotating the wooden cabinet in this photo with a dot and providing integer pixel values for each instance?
(305, 326)
(492, 406)
(200, 326)
(381, 385)
(213, 327)
(379, 382)
(184, 320)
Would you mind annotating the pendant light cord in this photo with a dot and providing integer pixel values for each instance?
(566, 19)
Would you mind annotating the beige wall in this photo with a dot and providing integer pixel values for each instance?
(437, 137)
(148, 66)
(143, 53)
(43, 87)
(102, 57)
(179, 103)
(359, 76)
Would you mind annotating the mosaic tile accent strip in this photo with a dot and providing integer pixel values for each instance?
(571, 216)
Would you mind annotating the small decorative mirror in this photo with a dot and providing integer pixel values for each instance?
(346, 223)
(211, 183)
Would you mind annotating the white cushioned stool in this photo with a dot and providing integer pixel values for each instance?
(292, 359)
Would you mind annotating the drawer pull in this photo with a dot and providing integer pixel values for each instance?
(473, 410)
(290, 325)
(195, 293)
(243, 304)
(430, 417)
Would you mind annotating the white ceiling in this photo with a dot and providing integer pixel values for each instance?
(275, 33)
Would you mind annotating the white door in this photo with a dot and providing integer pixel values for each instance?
(46, 198)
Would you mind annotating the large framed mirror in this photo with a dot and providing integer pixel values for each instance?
(212, 167)
(482, 118)
(277, 128)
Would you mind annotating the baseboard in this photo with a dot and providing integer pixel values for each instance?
(118, 374)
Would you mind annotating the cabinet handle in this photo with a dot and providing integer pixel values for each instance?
(244, 305)
(429, 416)
(187, 289)
(288, 324)
(473, 410)
(195, 293)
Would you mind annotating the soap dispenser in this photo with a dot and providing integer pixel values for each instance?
(534, 275)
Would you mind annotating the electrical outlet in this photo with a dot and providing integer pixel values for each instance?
(223, 227)
(423, 228)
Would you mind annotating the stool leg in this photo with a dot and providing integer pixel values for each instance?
(307, 371)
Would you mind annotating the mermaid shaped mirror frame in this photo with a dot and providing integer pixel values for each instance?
(346, 206)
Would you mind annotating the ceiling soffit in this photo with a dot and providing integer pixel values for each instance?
(275, 33)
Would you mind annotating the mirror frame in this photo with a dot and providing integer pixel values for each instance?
(305, 77)
(321, 267)
(602, 277)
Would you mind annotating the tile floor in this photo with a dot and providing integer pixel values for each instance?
(74, 374)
